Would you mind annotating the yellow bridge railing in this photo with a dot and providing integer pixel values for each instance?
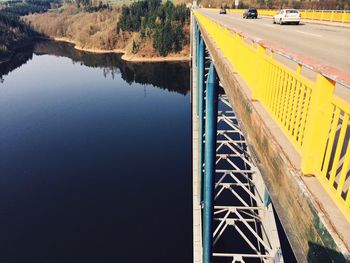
(314, 119)
(342, 16)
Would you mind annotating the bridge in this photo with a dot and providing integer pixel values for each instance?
(271, 129)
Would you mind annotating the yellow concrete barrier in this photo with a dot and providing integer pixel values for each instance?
(333, 15)
(314, 119)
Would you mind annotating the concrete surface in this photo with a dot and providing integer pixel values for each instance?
(329, 23)
(324, 43)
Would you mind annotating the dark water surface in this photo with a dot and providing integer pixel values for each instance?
(95, 159)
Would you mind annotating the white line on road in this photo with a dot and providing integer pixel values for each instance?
(307, 33)
(269, 25)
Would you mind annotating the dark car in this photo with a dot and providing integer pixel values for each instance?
(250, 13)
(223, 10)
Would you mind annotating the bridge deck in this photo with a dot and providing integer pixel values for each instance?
(332, 42)
(308, 221)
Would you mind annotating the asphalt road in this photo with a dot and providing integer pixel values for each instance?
(329, 45)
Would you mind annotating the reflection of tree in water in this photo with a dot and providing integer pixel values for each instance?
(17, 59)
(165, 75)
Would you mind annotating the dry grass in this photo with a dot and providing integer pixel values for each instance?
(178, 2)
(88, 30)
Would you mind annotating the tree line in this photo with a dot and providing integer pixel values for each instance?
(22, 8)
(163, 23)
(92, 5)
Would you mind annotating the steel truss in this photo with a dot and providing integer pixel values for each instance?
(244, 223)
(244, 226)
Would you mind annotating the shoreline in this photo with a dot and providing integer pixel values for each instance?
(125, 56)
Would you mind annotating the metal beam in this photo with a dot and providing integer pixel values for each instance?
(210, 158)
(200, 86)
(197, 35)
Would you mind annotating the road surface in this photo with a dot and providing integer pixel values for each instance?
(329, 45)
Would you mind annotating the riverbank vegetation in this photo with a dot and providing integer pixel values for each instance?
(144, 30)
(89, 30)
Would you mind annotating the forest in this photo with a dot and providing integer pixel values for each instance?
(148, 28)
(163, 23)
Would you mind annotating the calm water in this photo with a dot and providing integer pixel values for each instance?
(95, 159)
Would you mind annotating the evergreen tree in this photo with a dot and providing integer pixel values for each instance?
(163, 22)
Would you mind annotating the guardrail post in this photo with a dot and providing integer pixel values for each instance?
(347, 201)
(316, 133)
(210, 156)
(299, 67)
(259, 71)
(200, 85)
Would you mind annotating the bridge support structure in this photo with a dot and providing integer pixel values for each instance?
(233, 218)
(200, 101)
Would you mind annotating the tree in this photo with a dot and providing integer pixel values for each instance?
(269, 4)
(261, 3)
(134, 47)
(178, 38)
(163, 22)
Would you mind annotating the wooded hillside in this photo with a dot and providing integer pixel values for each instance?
(144, 29)
(166, 24)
